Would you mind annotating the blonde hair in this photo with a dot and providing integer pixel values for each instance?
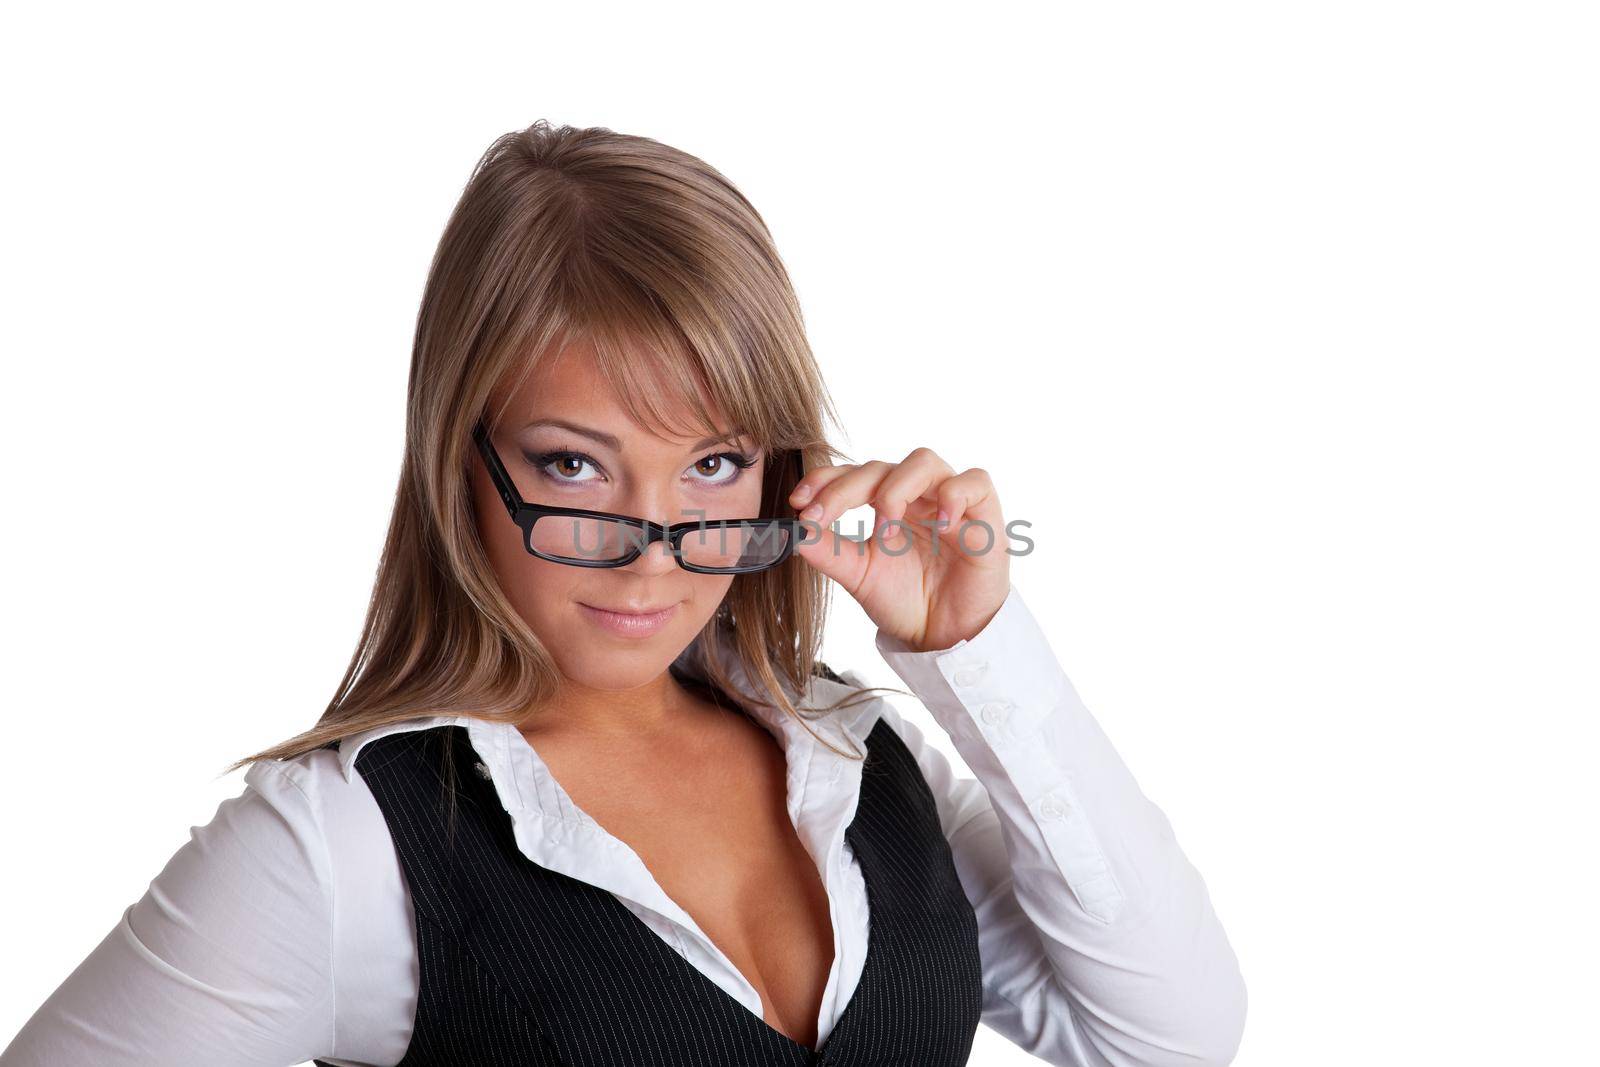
(564, 234)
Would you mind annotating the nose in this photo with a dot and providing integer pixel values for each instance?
(659, 507)
(656, 559)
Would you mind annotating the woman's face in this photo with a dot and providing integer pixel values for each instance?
(567, 441)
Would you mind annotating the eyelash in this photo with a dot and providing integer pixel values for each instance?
(544, 459)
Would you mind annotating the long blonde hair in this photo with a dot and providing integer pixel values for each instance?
(562, 234)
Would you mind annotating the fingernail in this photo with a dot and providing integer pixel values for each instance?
(813, 513)
(802, 493)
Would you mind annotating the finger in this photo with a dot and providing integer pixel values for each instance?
(805, 490)
(841, 558)
(849, 490)
(912, 479)
(970, 497)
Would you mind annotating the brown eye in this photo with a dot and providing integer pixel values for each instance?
(722, 468)
(565, 466)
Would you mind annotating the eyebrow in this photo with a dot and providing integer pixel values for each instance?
(615, 445)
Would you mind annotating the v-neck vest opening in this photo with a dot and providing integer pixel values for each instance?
(523, 964)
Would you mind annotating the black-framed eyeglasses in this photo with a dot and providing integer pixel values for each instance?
(583, 538)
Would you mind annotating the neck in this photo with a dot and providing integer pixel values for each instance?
(655, 708)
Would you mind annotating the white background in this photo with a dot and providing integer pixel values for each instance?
(1277, 321)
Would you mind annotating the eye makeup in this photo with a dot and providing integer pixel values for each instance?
(541, 461)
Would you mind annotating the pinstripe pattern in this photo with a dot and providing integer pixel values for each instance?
(524, 965)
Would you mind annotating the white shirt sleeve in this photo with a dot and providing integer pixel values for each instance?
(226, 960)
(1098, 940)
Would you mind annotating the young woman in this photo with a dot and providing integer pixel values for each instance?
(585, 794)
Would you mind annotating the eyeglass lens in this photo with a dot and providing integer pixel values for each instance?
(585, 539)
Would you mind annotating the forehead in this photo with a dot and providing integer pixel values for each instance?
(569, 384)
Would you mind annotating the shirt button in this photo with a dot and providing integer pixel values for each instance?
(968, 676)
(1052, 807)
(483, 771)
(993, 713)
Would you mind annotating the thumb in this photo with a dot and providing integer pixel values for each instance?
(843, 559)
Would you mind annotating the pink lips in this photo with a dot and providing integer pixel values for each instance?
(629, 624)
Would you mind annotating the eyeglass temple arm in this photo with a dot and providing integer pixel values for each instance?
(497, 471)
(799, 465)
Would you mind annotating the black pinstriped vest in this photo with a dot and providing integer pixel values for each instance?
(522, 965)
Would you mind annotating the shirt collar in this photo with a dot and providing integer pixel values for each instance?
(845, 728)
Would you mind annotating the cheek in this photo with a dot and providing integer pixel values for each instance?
(501, 538)
(536, 587)
(709, 591)
(546, 596)
(742, 501)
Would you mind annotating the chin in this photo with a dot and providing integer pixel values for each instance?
(592, 655)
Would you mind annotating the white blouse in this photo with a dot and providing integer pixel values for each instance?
(284, 929)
